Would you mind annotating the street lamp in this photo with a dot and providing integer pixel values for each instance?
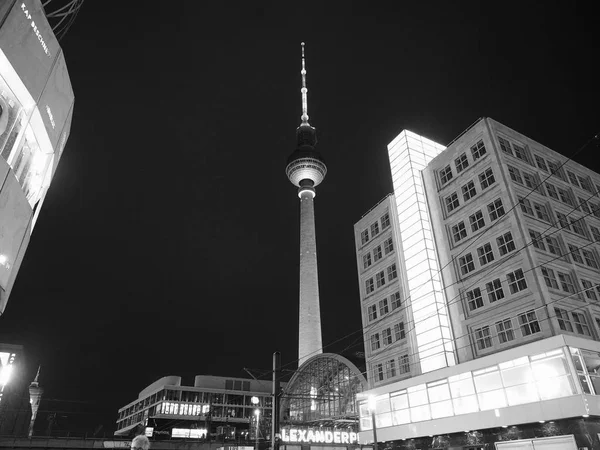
(371, 403)
(255, 402)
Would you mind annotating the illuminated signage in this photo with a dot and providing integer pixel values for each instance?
(317, 436)
(51, 117)
(188, 433)
(35, 29)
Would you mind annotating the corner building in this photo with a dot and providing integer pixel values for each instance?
(506, 339)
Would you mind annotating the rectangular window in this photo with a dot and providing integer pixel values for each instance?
(459, 232)
(516, 281)
(505, 331)
(390, 367)
(486, 178)
(404, 364)
(468, 191)
(395, 300)
(520, 152)
(387, 336)
(378, 372)
(364, 236)
(553, 245)
(590, 258)
(575, 253)
(494, 290)
(541, 163)
(536, 240)
(485, 254)
(589, 289)
(541, 212)
(466, 264)
(530, 180)
(372, 310)
(375, 344)
(525, 206)
(474, 299)
(383, 307)
(595, 209)
(366, 260)
(581, 325)
(476, 221)
(585, 184)
(529, 323)
(515, 175)
(388, 246)
(505, 243)
(549, 278)
(478, 150)
(374, 229)
(369, 285)
(377, 253)
(399, 331)
(505, 145)
(566, 282)
(380, 279)
(445, 174)
(565, 197)
(552, 191)
(583, 205)
(391, 272)
(578, 226)
(595, 233)
(555, 170)
(562, 220)
(385, 221)
(483, 338)
(495, 209)
(461, 163)
(573, 178)
(452, 202)
(563, 319)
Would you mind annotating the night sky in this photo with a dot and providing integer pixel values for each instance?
(168, 242)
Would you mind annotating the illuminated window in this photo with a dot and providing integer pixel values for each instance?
(483, 339)
(553, 245)
(385, 221)
(390, 368)
(452, 202)
(505, 145)
(485, 254)
(478, 150)
(494, 290)
(529, 323)
(505, 331)
(581, 325)
(505, 243)
(380, 279)
(566, 282)
(364, 236)
(536, 240)
(563, 319)
(391, 272)
(520, 152)
(466, 264)
(377, 253)
(461, 163)
(468, 191)
(575, 253)
(516, 281)
(585, 184)
(495, 209)
(387, 336)
(551, 191)
(459, 231)
(404, 364)
(541, 163)
(378, 372)
(573, 178)
(399, 331)
(565, 197)
(446, 174)
(578, 226)
(541, 212)
(372, 310)
(383, 307)
(395, 300)
(388, 246)
(595, 233)
(375, 229)
(525, 206)
(486, 178)
(476, 221)
(366, 260)
(369, 285)
(474, 299)
(589, 289)
(515, 175)
(583, 205)
(549, 278)
(375, 344)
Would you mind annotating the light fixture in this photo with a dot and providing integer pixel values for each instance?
(586, 416)
(541, 421)
(504, 426)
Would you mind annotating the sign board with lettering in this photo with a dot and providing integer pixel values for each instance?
(314, 436)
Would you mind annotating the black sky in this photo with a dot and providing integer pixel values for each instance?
(168, 242)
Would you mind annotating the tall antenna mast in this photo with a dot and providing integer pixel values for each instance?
(304, 91)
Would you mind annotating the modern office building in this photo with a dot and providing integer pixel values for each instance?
(499, 248)
(36, 106)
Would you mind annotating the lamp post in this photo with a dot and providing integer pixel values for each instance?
(371, 404)
(255, 402)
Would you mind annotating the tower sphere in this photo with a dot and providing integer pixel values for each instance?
(306, 163)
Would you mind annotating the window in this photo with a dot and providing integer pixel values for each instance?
(516, 281)
(563, 319)
(375, 229)
(529, 323)
(551, 191)
(369, 286)
(461, 163)
(364, 236)
(459, 231)
(575, 253)
(468, 191)
(505, 331)
(525, 206)
(474, 299)
(366, 260)
(549, 278)
(595, 233)
(486, 178)
(541, 163)
(578, 226)
(566, 282)
(375, 344)
(581, 325)
(562, 220)
(585, 184)
(530, 180)
(494, 290)
(404, 364)
(483, 338)
(595, 209)
(590, 258)
(583, 205)
(452, 202)
(555, 170)
(391, 272)
(536, 239)
(385, 221)
(553, 245)
(589, 289)
(372, 310)
(520, 152)
(388, 246)
(387, 336)
(377, 253)
(399, 331)
(505, 145)
(466, 264)
(565, 197)
(390, 368)
(395, 300)
(495, 209)
(383, 307)
(485, 254)
(573, 178)
(478, 150)
(541, 212)
(515, 175)
(445, 174)
(476, 221)
(505, 243)
(380, 279)
(378, 372)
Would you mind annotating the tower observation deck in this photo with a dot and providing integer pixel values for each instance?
(306, 169)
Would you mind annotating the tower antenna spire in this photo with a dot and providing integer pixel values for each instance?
(304, 90)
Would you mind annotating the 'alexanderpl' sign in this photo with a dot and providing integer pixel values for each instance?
(317, 436)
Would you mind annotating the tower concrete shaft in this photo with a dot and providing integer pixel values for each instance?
(309, 332)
